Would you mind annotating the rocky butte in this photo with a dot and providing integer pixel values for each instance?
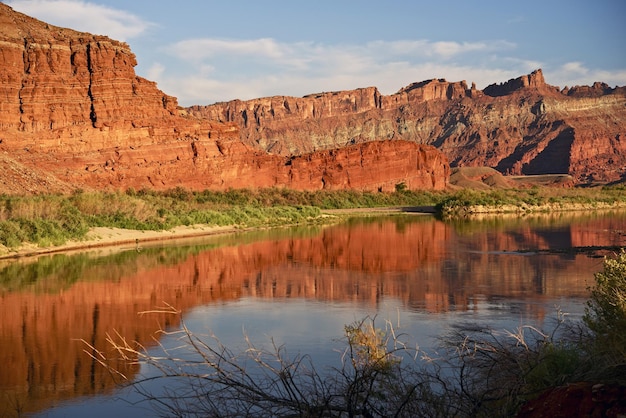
(522, 127)
(73, 114)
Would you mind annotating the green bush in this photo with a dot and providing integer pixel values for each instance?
(11, 233)
(554, 365)
(606, 309)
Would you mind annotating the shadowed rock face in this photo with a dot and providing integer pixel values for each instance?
(522, 126)
(74, 114)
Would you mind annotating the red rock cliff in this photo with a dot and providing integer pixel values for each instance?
(522, 126)
(73, 113)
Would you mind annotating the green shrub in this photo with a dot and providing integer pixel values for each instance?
(554, 365)
(606, 309)
(11, 234)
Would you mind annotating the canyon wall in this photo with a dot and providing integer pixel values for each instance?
(73, 114)
(522, 126)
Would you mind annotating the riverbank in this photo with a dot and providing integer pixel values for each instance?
(44, 224)
(109, 237)
(100, 237)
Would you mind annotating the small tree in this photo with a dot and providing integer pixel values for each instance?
(401, 187)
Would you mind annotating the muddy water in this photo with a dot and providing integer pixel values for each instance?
(299, 285)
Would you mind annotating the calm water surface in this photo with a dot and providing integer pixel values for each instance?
(299, 286)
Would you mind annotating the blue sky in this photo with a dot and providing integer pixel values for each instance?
(205, 51)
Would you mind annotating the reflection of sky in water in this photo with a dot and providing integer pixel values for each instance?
(316, 328)
(305, 326)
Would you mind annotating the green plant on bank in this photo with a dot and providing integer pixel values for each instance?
(606, 316)
(467, 201)
(478, 372)
(46, 220)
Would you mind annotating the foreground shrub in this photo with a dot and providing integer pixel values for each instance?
(215, 381)
(606, 317)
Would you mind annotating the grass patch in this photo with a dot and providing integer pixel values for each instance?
(536, 199)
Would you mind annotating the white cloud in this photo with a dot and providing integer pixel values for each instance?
(516, 20)
(197, 49)
(523, 64)
(574, 68)
(155, 71)
(577, 74)
(449, 49)
(222, 69)
(84, 16)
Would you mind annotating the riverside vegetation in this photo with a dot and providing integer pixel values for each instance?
(49, 220)
(478, 372)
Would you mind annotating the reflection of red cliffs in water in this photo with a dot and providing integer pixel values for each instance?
(40, 347)
(424, 263)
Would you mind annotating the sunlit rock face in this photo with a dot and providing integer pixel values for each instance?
(523, 126)
(75, 115)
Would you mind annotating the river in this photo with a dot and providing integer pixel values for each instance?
(299, 286)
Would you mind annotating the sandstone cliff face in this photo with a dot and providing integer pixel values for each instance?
(391, 163)
(290, 125)
(73, 113)
(59, 84)
(523, 126)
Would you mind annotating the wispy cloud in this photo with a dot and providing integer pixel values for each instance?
(84, 16)
(577, 74)
(223, 69)
(199, 49)
(516, 19)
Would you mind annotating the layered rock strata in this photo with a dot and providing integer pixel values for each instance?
(522, 126)
(73, 114)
